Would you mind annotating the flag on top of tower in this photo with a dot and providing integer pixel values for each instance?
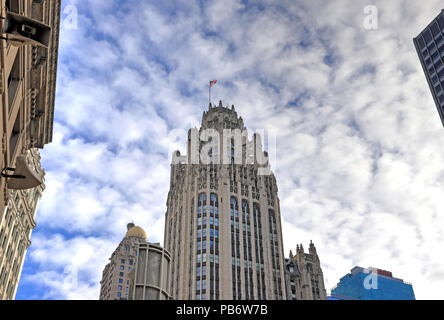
(212, 82)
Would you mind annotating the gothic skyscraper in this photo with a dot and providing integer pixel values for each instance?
(223, 223)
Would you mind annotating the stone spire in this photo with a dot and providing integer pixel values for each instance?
(312, 248)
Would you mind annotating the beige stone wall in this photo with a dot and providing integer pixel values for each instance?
(27, 92)
(115, 283)
(16, 225)
(307, 283)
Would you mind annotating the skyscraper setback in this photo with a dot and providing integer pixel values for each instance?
(223, 223)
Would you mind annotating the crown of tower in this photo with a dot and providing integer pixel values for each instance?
(220, 118)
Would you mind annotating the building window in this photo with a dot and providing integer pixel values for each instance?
(427, 36)
(421, 42)
(435, 29)
(14, 80)
(15, 135)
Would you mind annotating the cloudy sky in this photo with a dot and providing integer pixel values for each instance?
(359, 157)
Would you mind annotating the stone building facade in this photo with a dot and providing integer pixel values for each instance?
(138, 269)
(223, 221)
(27, 94)
(115, 283)
(303, 275)
(15, 230)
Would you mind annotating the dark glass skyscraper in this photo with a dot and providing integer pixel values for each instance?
(430, 47)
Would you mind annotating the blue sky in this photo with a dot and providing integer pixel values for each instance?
(359, 142)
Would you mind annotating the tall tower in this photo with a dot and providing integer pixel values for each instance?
(223, 223)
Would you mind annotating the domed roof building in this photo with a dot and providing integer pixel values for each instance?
(135, 231)
(120, 279)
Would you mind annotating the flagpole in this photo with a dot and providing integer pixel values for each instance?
(209, 90)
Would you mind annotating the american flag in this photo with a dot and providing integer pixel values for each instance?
(212, 82)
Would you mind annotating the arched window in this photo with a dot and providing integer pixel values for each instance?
(256, 210)
(214, 205)
(245, 212)
(233, 207)
(309, 268)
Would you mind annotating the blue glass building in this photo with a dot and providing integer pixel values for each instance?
(371, 284)
(430, 47)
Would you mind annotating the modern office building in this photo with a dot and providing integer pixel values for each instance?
(28, 59)
(429, 45)
(303, 275)
(138, 270)
(371, 284)
(223, 221)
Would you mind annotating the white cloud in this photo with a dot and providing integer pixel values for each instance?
(359, 158)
